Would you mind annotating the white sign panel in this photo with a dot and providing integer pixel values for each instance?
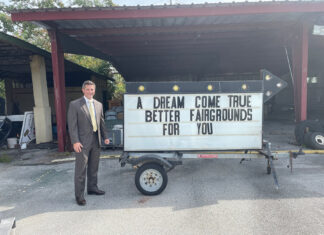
(28, 129)
(162, 122)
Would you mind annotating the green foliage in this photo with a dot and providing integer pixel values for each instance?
(38, 36)
(2, 89)
(97, 65)
(32, 4)
(4, 158)
(26, 30)
(120, 88)
(93, 3)
(6, 24)
(31, 32)
(34, 35)
(102, 67)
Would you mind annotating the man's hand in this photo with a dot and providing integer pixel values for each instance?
(77, 147)
(107, 141)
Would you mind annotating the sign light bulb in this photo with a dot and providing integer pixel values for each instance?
(141, 88)
(175, 88)
(268, 77)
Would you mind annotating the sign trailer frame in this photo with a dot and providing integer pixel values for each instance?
(153, 165)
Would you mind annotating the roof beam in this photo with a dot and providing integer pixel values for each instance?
(178, 29)
(202, 60)
(12, 61)
(181, 43)
(183, 36)
(167, 11)
(193, 49)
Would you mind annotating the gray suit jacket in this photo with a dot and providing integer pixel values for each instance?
(79, 122)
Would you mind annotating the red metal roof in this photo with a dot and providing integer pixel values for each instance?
(187, 41)
(167, 11)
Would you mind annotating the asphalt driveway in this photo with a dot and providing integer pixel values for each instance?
(215, 196)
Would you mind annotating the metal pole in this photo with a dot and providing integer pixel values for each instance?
(59, 88)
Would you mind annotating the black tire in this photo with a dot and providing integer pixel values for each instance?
(316, 140)
(303, 127)
(307, 138)
(155, 184)
(268, 170)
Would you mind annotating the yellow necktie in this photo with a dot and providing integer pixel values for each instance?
(92, 115)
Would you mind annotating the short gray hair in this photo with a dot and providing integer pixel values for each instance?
(88, 82)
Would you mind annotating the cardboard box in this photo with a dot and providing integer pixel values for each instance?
(114, 103)
(120, 116)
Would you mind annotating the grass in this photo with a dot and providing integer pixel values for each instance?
(5, 158)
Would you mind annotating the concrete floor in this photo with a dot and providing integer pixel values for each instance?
(203, 196)
(215, 196)
(281, 134)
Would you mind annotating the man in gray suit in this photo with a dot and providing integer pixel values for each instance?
(86, 128)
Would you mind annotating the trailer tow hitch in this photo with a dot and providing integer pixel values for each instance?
(270, 167)
(123, 159)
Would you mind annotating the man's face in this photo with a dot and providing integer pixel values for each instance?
(89, 91)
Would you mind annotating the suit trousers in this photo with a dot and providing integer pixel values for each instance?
(87, 161)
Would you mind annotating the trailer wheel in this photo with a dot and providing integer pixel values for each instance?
(151, 179)
(316, 140)
(303, 127)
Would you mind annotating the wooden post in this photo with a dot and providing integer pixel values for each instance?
(42, 110)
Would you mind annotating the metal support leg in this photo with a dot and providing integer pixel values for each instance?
(270, 166)
(274, 174)
(294, 155)
(291, 161)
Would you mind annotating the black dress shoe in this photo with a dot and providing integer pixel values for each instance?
(80, 202)
(96, 192)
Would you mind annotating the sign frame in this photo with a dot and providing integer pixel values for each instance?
(268, 86)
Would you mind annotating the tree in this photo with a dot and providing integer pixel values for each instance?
(94, 3)
(6, 24)
(27, 31)
(119, 87)
(38, 36)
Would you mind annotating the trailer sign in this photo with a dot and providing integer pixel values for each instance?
(165, 122)
(174, 122)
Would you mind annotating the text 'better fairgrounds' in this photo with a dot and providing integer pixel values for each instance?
(202, 110)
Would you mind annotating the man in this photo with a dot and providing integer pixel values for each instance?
(86, 128)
